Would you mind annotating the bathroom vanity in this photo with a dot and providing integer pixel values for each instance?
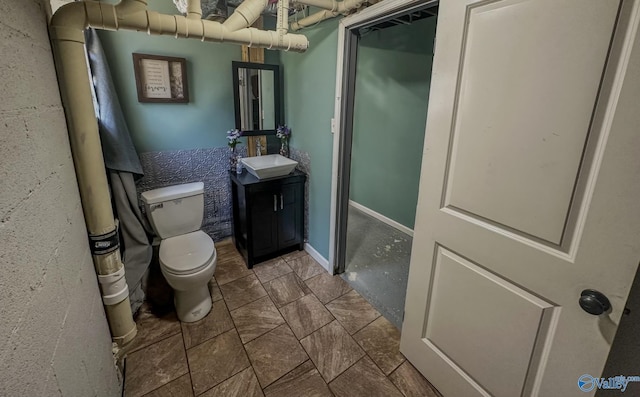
(268, 215)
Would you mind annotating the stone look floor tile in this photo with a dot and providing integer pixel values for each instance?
(294, 254)
(155, 365)
(411, 382)
(353, 311)
(152, 328)
(214, 290)
(226, 251)
(332, 350)
(327, 287)
(246, 311)
(267, 271)
(304, 381)
(216, 360)
(231, 269)
(364, 379)
(256, 318)
(242, 384)
(306, 315)
(180, 387)
(305, 266)
(381, 341)
(226, 245)
(286, 289)
(274, 354)
(216, 322)
(242, 291)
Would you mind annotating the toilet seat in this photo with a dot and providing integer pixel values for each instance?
(186, 253)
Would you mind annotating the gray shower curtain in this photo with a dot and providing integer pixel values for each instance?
(123, 166)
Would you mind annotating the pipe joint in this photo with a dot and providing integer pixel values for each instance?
(109, 17)
(114, 287)
(61, 33)
(70, 16)
(213, 30)
(93, 11)
(245, 15)
(182, 29)
(128, 7)
(194, 9)
(195, 27)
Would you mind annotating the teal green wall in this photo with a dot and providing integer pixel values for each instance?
(393, 75)
(203, 121)
(309, 85)
(309, 81)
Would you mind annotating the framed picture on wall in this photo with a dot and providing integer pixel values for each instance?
(161, 79)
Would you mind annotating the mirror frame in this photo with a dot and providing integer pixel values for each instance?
(277, 93)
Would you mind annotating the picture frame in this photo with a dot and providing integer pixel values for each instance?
(161, 79)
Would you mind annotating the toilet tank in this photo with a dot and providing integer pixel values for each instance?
(175, 210)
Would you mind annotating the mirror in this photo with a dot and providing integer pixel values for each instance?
(256, 92)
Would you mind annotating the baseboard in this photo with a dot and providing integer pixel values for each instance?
(318, 257)
(382, 218)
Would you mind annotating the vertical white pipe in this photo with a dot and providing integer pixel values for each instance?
(282, 25)
(86, 148)
(194, 9)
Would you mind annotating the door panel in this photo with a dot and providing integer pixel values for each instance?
(290, 215)
(264, 222)
(528, 87)
(484, 323)
(513, 222)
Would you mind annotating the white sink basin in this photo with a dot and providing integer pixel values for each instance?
(269, 166)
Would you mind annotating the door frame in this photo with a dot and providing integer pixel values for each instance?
(342, 123)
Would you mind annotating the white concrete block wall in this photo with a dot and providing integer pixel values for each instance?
(54, 338)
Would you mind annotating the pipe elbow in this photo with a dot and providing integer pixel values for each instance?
(251, 10)
(70, 16)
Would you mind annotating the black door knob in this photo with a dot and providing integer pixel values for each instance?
(594, 302)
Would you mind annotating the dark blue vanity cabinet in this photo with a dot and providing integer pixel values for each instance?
(268, 215)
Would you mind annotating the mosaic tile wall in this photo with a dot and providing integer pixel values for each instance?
(209, 166)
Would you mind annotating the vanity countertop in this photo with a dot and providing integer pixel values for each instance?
(247, 179)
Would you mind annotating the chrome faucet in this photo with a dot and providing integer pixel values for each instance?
(258, 147)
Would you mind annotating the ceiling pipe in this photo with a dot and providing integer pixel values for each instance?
(245, 14)
(131, 6)
(68, 44)
(133, 15)
(331, 9)
(330, 5)
(313, 19)
(194, 9)
(67, 35)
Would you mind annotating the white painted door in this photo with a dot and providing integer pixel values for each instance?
(529, 194)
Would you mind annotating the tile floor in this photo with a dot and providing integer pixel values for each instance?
(284, 328)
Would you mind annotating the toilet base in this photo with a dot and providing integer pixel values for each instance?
(192, 305)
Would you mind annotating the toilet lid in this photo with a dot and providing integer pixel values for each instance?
(186, 253)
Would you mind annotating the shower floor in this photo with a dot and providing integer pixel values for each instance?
(377, 263)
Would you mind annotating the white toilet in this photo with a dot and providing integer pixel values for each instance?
(187, 254)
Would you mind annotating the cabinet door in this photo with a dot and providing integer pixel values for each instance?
(264, 211)
(290, 215)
